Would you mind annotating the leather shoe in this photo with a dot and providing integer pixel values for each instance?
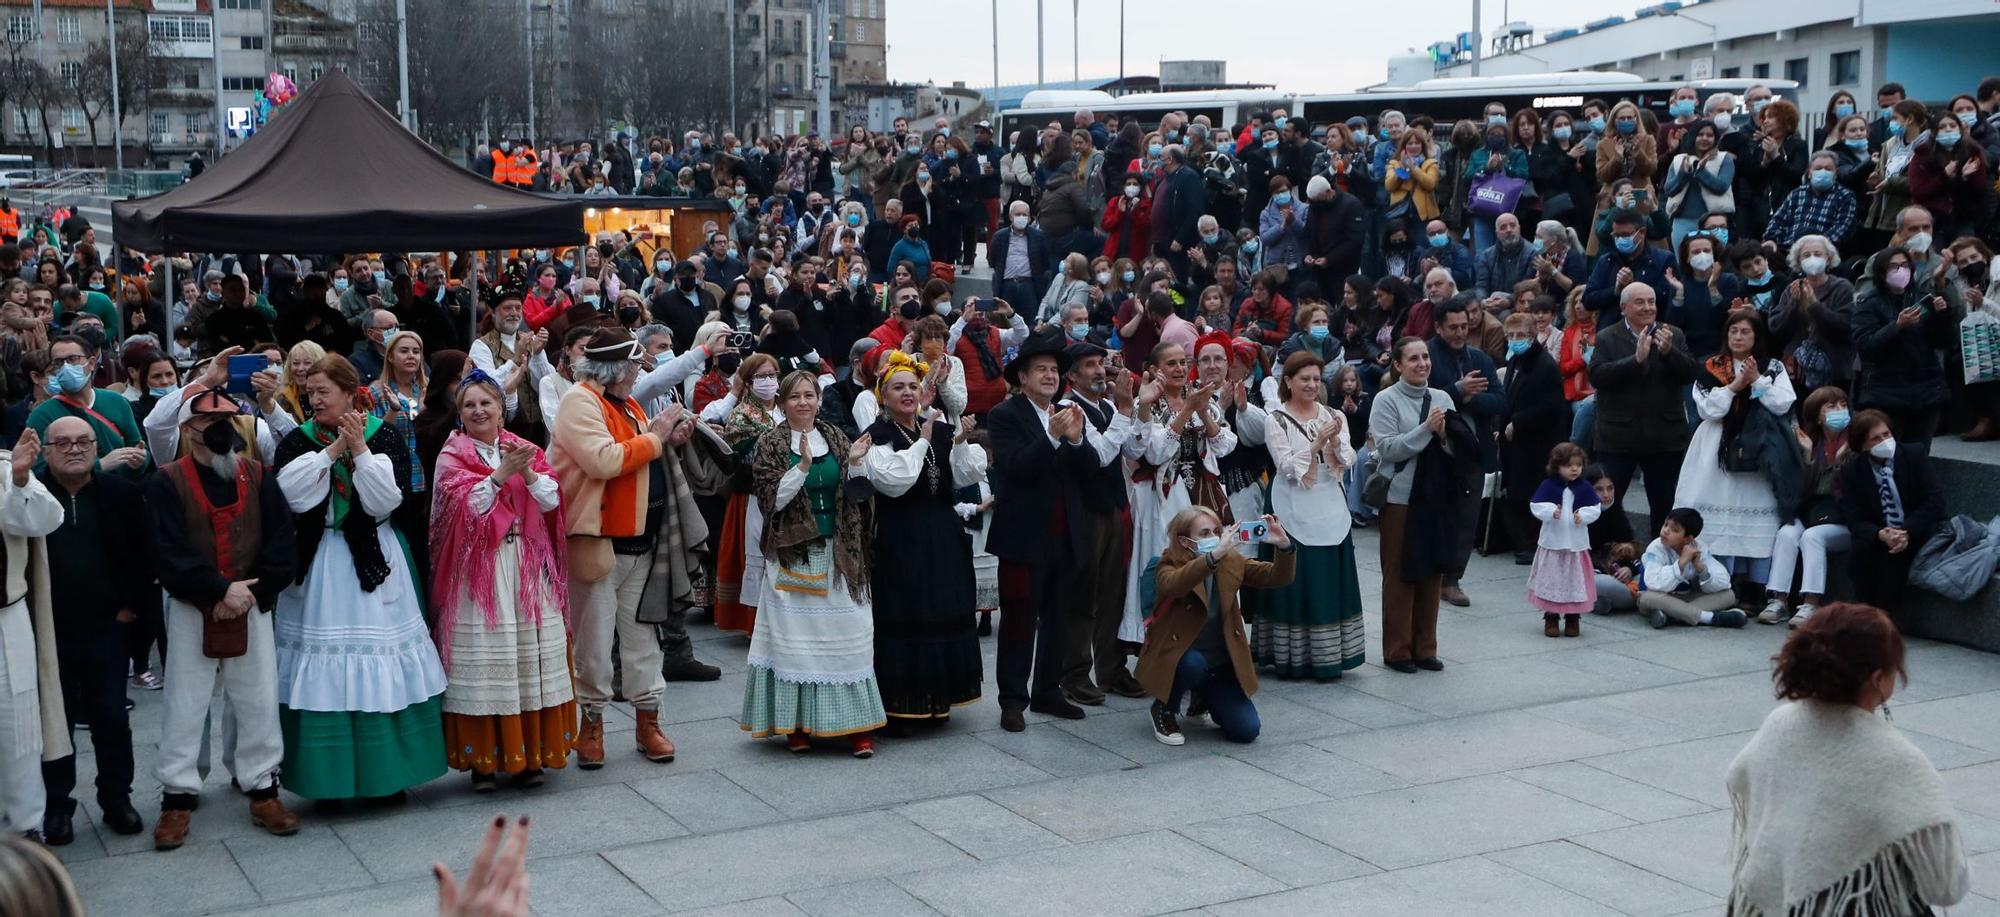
(57, 831)
(1455, 596)
(689, 669)
(1058, 707)
(1126, 687)
(120, 817)
(1013, 721)
(1431, 664)
(171, 830)
(271, 815)
(1404, 666)
(1085, 694)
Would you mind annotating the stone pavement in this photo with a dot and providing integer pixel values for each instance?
(1531, 777)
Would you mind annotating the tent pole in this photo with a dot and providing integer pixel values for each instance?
(168, 293)
(472, 299)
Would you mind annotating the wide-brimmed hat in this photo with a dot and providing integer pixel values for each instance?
(1047, 342)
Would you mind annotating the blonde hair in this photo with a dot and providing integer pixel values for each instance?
(310, 350)
(33, 881)
(1183, 521)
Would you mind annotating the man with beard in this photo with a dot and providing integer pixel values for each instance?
(1104, 393)
(1039, 531)
(504, 353)
(222, 548)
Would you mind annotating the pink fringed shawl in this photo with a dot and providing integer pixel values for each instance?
(464, 543)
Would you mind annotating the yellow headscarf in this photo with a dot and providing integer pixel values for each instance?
(899, 362)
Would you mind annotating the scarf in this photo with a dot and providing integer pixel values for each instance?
(1837, 814)
(463, 542)
(789, 533)
(341, 494)
(983, 340)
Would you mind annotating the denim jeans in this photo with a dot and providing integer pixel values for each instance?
(1484, 236)
(1227, 704)
(1583, 422)
(1353, 479)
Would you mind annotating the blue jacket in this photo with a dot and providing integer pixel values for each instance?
(1649, 266)
(1282, 245)
(917, 253)
(1447, 367)
(1185, 199)
(1039, 266)
(1452, 257)
(1497, 273)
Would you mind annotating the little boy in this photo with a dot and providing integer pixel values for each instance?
(1683, 583)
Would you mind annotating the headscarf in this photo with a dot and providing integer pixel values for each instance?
(898, 362)
(1215, 338)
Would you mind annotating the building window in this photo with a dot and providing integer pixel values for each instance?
(243, 83)
(860, 32)
(1732, 73)
(292, 73)
(1760, 71)
(72, 72)
(1845, 69)
(195, 121)
(191, 78)
(316, 72)
(69, 29)
(157, 124)
(1797, 68)
(72, 119)
(20, 28)
(242, 4)
(177, 28)
(250, 42)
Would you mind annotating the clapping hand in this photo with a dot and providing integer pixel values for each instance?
(966, 425)
(26, 451)
(1435, 422)
(855, 450)
(515, 459)
(665, 421)
(354, 429)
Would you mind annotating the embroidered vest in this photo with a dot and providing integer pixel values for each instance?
(531, 408)
(230, 537)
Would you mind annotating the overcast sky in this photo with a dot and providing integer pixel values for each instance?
(1301, 45)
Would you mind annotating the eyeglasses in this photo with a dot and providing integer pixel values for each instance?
(772, 376)
(72, 445)
(74, 360)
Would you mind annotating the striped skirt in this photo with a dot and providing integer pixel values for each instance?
(1311, 628)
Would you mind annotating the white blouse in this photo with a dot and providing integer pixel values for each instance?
(545, 490)
(308, 480)
(794, 479)
(1159, 443)
(1314, 514)
(894, 471)
(1560, 529)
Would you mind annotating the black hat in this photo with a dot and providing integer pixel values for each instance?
(1080, 351)
(1047, 342)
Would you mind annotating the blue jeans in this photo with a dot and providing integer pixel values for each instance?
(1352, 481)
(1484, 236)
(1227, 704)
(1018, 293)
(1681, 227)
(1583, 422)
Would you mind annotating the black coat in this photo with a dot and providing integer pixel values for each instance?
(1031, 480)
(1334, 231)
(192, 577)
(1899, 366)
(1538, 412)
(1640, 406)
(1916, 485)
(682, 316)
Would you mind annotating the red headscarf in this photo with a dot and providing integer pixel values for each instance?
(1216, 338)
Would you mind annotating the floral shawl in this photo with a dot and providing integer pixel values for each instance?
(789, 533)
(463, 542)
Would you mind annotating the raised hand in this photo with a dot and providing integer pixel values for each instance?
(855, 450)
(966, 425)
(26, 451)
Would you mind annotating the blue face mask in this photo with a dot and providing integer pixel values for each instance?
(951, 154)
(1280, 123)
(1271, 144)
(1078, 332)
(1843, 109)
(1250, 246)
(1597, 124)
(1282, 198)
(1895, 128)
(590, 299)
(1492, 120)
(381, 277)
(1440, 240)
(1836, 420)
(854, 219)
(1721, 234)
(1967, 118)
(1761, 279)
(1538, 244)
(1172, 135)
(1517, 348)
(1856, 143)
(1886, 111)
(1207, 545)
(160, 392)
(1681, 108)
(1628, 128)
(1626, 244)
(1130, 276)
(1211, 238)
(1757, 107)
(1948, 140)
(1822, 179)
(1154, 149)
(340, 284)
(1560, 132)
(660, 359)
(68, 380)
(1382, 133)
(1319, 332)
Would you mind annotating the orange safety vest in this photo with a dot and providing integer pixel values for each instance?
(503, 167)
(524, 167)
(10, 225)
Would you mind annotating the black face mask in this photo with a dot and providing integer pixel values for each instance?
(94, 335)
(1975, 273)
(910, 310)
(628, 315)
(727, 363)
(686, 284)
(221, 438)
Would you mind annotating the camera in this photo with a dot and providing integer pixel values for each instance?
(1252, 531)
(742, 340)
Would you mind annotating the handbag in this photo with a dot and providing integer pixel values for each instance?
(1494, 193)
(1405, 210)
(1557, 207)
(1375, 491)
(1979, 347)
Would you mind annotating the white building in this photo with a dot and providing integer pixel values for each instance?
(1935, 48)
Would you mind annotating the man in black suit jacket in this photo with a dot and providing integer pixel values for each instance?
(1104, 392)
(1040, 459)
(1886, 536)
(1642, 421)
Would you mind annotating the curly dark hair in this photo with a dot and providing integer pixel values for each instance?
(1563, 454)
(1833, 655)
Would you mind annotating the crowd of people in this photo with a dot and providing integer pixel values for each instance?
(425, 511)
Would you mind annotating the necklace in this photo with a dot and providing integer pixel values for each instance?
(907, 437)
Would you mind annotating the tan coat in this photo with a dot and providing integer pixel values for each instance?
(1182, 574)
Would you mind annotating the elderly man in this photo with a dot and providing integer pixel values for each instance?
(377, 326)
(606, 453)
(92, 611)
(518, 360)
(661, 378)
(1508, 261)
(1019, 257)
(1641, 368)
(72, 364)
(1440, 248)
(31, 696)
(222, 541)
(1821, 207)
(1106, 397)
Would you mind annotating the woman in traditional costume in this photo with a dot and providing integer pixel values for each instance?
(740, 560)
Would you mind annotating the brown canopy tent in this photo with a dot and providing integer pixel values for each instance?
(334, 172)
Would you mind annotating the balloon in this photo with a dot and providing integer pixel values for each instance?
(279, 89)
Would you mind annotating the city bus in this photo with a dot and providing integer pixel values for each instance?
(1223, 107)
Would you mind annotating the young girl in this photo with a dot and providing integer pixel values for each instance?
(1562, 582)
(1353, 403)
(975, 506)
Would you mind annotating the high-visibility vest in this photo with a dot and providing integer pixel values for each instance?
(503, 168)
(524, 167)
(10, 225)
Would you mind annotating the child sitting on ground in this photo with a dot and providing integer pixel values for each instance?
(1562, 582)
(1683, 583)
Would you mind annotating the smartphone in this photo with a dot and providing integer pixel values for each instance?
(1253, 531)
(986, 304)
(241, 368)
(742, 340)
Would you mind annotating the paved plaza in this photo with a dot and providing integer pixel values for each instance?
(1531, 777)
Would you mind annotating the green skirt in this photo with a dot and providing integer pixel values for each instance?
(774, 707)
(1311, 628)
(356, 755)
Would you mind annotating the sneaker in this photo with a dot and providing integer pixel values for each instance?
(1774, 612)
(1729, 617)
(147, 681)
(1799, 617)
(1166, 727)
(1656, 617)
(1197, 710)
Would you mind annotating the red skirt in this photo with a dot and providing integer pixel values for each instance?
(734, 611)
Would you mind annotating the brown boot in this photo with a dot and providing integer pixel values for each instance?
(171, 830)
(1549, 626)
(1983, 431)
(1572, 625)
(590, 743)
(270, 815)
(652, 742)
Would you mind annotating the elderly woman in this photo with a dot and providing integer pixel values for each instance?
(1282, 226)
(1196, 644)
(1836, 812)
(359, 681)
(1310, 628)
(1817, 528)
(1812, 323)
(926, 652)
(739, 565)
(1900, 323)
(1723, 476)
(1418, 450)
(1890, 497)
(812, 658)
(1176, 445)
(291, 382)
(497, 539)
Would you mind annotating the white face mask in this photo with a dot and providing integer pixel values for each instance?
(1814, 265)
(1919, 243)
(1020, 223)
(1701, 261)
(764, 388)
(1103, 278)
(943, 307)
(743, 302)
(1884, 450)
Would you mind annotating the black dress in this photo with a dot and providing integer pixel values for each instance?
(926, 646)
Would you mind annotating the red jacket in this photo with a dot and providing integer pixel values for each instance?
(1268, 325)
(891, 332)
(1575, 369)
(540, 311)
(1128, 235)
(981, 394)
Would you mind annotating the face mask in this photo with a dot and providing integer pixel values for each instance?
(1561, 132)
(67, 380)
(1280, 123)
(1836, 420)
(1843, 109)
(1250, 246)
(1132, 191)
(1918, 242)
(1496, 143)
(1597, 124)
(1757, 106)
(506, 146)
(1857, 144)
(742, 302)
(1516, 348)
(1681, 108)
(160, 392)
(1103, 278)
(1626, 244)
(1814, 265)
(1884, 450)
(1721, 121)
(1154, 149)
(946, 131)
(1131, 276)
(923, 177)
(763, 238)
(1701, 261)
(1966, 118)
(212, 296)
(1948, 140)
(1282, 198)
(97, 287)
(1628, 128)
(740, 190)
(1440, 240)
(662, 358)
(1078, 332)
(732, 252)
(1895, 128)
(1207, 545)
(1495, 120)
(340, 284)
(1382, 133)
(590, 299)
(1020, 223)
(951, 154)
(1272, 144)
(1210, 238)
(1319, 332)
(1822, 179)
(1761, 279)
(764, 389)
(94, 335)
(943, 307)
(221, 438)
(381, 277)
(1415, 158)
(914, 150)
(1897, 278)
(547, 283)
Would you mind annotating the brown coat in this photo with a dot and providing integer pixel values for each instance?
(1182, 574)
